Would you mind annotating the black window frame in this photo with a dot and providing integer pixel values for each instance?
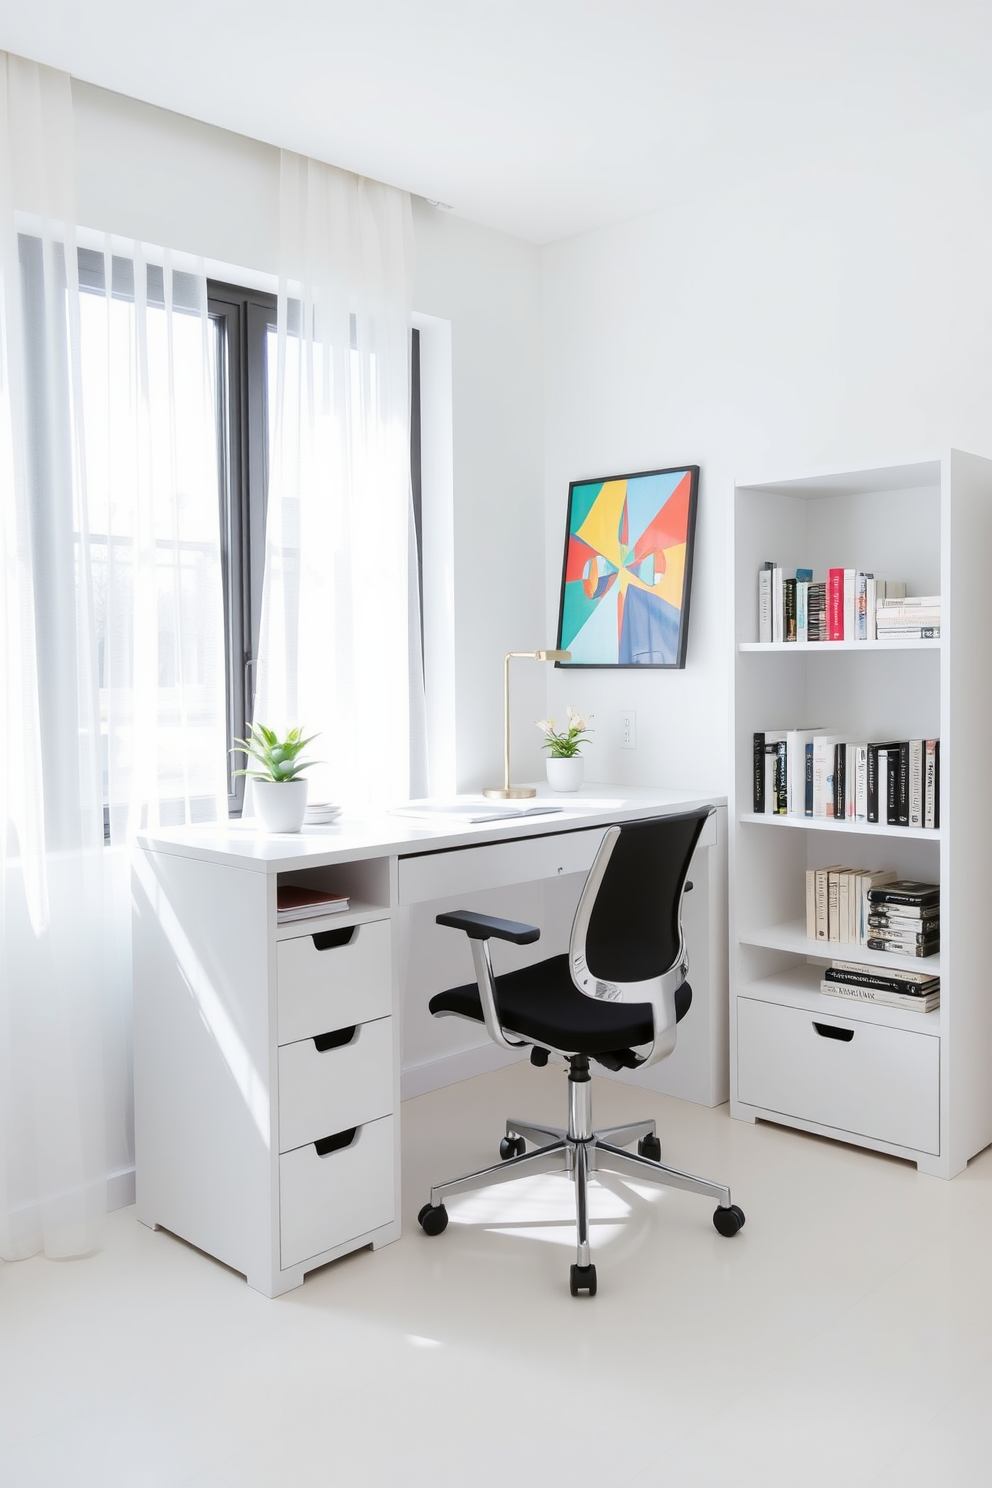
(244, 317)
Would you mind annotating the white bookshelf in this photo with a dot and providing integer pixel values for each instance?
(916, 1085)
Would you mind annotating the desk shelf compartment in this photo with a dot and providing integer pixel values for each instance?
(365, 881)
(326, 1201)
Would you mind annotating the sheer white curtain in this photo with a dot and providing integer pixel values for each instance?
(111, 654)
(336, 612)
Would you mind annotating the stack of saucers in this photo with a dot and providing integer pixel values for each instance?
(321, 813)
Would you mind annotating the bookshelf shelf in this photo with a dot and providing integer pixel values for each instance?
(927, 523)
(841, 828)
(828, 648)
(792, 937)
(800, 988)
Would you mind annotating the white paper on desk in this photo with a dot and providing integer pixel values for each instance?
(467, 811)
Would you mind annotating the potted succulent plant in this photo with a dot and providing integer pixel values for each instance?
(275, 769)
(565, 765)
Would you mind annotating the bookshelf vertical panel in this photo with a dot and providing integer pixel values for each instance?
(966, 804)
(929, 523)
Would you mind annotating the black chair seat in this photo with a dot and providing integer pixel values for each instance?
(542, 1004)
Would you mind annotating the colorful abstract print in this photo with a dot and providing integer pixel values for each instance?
(623, 597)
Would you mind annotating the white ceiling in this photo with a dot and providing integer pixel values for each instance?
(540, 117)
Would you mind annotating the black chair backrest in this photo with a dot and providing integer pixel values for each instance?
(634, 931)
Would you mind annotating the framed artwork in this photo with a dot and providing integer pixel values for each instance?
(628, 569)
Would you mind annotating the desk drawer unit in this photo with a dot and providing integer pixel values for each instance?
(853, 1076)
(325, 1089)
(325, 1201)
(332, 988)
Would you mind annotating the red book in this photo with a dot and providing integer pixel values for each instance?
(835, 604)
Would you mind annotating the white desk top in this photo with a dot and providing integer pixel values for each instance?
(245, 845)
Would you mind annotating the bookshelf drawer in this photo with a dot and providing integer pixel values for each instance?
(843, 1073)
(327, 1201)
(324, 1090)
(331, 987)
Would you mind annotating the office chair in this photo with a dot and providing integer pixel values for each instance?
(619, 989)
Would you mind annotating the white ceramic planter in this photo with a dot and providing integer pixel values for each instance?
(280, 805)
(565, 774)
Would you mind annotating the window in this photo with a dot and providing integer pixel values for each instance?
(245, 321)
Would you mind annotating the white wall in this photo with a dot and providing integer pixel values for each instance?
(817, 319)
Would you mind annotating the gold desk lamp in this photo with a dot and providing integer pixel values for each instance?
(508, 792)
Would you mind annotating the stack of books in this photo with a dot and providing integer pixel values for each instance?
(914, 990)
(837, 902)
(844, 606)
(904, 916)
(816, 773)
(915, 617)
(293, 902)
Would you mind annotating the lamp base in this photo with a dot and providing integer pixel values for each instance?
(509, 792)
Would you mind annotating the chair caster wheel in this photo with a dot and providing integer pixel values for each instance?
(432, 1221)
(650, 1147)
(512, 1147)
(729, 1221)
(582, 1279)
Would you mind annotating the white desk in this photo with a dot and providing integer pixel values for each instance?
(276, 1156)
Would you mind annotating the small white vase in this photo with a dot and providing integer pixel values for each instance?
(280, 805)
(565, 774)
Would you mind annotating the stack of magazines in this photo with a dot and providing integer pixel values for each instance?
(915, 990)
(296, 903)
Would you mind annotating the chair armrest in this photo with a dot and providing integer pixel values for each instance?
(482, 927)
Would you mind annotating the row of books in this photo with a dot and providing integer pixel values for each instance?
(872, 907)
(849, 604)
(818, 773)
(914, 990)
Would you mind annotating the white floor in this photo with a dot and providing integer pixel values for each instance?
(844, 1338)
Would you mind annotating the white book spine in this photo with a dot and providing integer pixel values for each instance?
(802, 610)
(778, 605)
(929, 782)
(850, 603)
(765, 605)
(916, 782)
(871, 599)
(861, 782)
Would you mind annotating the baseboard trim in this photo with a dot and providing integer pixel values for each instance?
(120, 1188)
(434, 1074)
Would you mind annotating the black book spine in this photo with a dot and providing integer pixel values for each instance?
(892, 775)
(936, 785)
(789, 610)
(808, 803)
(840, 781)
(902, 785)
(781, 779)
(759, 774)
(880, 983)
(873, 782)
(924, 899)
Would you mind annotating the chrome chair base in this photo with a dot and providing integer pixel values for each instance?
(581, 1151)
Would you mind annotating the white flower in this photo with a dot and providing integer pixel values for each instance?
(546, 725)
(577, 720)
